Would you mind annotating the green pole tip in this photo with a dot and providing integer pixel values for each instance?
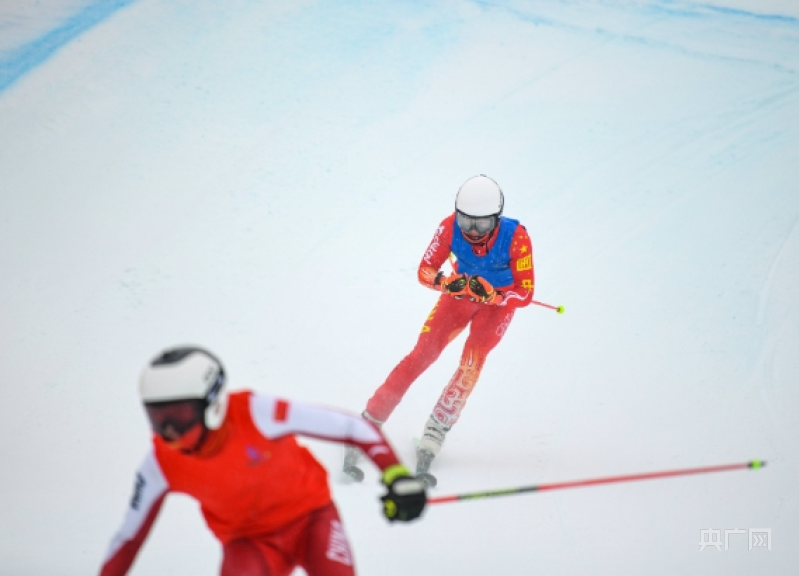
(757, 463)
(561, 309)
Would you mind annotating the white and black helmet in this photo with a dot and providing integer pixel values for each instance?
(479, 196)
(187, 373)
(479, 204)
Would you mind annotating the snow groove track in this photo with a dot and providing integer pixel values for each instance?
(18, 60)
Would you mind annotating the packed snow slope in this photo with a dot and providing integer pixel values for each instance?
(262, 178)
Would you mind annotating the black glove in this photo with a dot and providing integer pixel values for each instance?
(406, 496)
(481, 290)
(455, 284)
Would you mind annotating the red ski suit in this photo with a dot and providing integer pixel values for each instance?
(448, 319)
(264, 496)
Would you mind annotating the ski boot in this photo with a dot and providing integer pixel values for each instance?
(351, 457)
(429, 446)
(423, 460)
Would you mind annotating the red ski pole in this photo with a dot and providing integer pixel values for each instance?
(754, 464)
(558, 309)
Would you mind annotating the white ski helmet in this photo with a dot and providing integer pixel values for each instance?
(479, 196)
(187, 373)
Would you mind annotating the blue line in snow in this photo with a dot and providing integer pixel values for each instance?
(748, 14)
(689, 8)
(17, 62)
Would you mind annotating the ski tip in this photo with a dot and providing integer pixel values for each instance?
(354, 472)
(755, 464)
(429, 480)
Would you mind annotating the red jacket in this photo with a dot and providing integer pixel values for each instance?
(254, 480)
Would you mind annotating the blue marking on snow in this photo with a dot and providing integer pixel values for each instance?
(708, 10)
(17, 62)
(667, 11)
(747, 14)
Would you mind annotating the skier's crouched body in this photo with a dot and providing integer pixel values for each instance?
(263, 496)
(492, 277)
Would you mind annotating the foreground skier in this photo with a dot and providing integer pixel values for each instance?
(492, 277)
(262, 495)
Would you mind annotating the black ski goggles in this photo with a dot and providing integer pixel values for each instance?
(483, 224)
(172, 420)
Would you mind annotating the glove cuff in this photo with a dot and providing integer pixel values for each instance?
(393, 472)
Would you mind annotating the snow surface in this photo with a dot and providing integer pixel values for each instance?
(263, 177)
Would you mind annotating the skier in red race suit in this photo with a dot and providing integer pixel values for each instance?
(263, 496)
(491, 278)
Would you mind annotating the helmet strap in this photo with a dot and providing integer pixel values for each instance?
(480, 247)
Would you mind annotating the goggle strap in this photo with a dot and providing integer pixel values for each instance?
(213, 392)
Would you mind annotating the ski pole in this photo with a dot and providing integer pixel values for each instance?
(558, 309)
(754, 464)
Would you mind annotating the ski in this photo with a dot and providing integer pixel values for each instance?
(353, 472)
(429, 480)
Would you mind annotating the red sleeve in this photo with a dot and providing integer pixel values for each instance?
(437, 252)
(121, 561)
(521, 265)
